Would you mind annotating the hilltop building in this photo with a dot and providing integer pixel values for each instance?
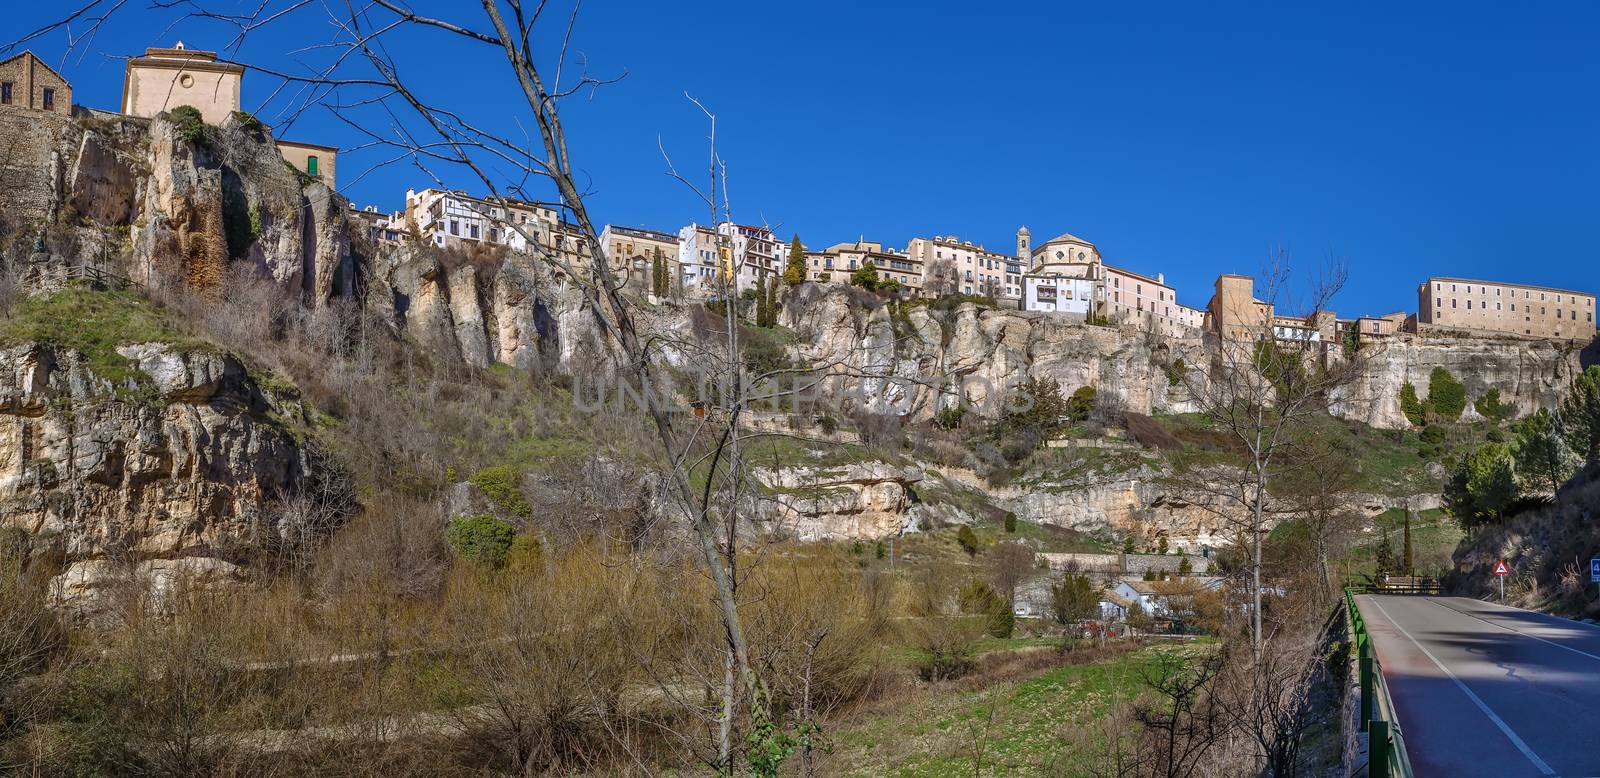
(1066, 274)
(164, 79)
(636, 248)
(447, 218)
(954, 266)
(27, 83)
(837, 262)
(1469, 305)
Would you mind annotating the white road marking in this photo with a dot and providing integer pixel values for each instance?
(1498, 722)
(1516, 631)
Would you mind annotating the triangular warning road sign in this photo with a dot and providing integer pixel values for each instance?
(1501, 569)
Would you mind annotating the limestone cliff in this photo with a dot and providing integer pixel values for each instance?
(179, 454)
(1530, 374)
(913, 363)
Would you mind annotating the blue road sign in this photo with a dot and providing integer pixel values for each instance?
(1594, 570)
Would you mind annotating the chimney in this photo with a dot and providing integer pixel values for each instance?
(1161, 278)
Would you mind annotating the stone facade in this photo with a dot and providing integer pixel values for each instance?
(33, 168)
(29, 84)
(164, 79)
(311, 159)
(1467, 305)
(954, 266)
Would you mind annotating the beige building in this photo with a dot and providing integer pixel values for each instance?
(839, 261)
(377, 226)
(164, 79)
(1235, 313)
(309, 158)
(1516, 309)
(953, 266)
(26, 82)
(636, 248)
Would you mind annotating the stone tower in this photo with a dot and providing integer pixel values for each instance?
(1024, 250)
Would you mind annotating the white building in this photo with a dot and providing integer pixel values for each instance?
(451, 217)
(698, 263)
(710, 257)
(1164, 598)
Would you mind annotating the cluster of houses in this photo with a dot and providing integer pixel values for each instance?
(1162, 587)
(1064, 275)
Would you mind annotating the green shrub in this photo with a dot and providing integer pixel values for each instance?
(1489, 406)
(967, 540)
(950, 417)
(482, 538)
(1081, 403)
(1176, 371)
(865, 277)
(499, 484)
(1011, 522)
(1432, 434)
(1410, 405)
(1002, 622)
(1446, 395)
(248, 121)
(191, 126)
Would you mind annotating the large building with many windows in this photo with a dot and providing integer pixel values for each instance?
(954, 266)
(1067, 274)
(837, 262)
(1517, 309)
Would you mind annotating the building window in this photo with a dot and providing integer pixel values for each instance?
(1438, 302)
(49, 98)
(1452, 302)
(1469, 305)
(311, 166)
(455, 227)
(5, 92)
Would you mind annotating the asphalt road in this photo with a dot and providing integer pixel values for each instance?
(1485, 690)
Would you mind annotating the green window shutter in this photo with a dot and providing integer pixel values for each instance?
(311, 166)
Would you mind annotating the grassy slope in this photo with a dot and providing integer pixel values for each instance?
(933, 734)
(1390, 460)
(94, 323)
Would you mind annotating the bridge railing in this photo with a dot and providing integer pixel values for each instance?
(1386, 746)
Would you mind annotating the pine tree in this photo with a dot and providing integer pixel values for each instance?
(761, 302)
(658, 274)
(1580, 415)
(1385, 554)
(772, 304)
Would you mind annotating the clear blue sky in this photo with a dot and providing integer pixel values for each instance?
(1184, 138)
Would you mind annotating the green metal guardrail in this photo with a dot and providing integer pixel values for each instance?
(1386, 748)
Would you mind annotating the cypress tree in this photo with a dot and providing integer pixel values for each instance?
(794, 273)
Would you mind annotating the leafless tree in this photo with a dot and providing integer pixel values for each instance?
(1263, 387)
(1011, 562)
(1181, 719)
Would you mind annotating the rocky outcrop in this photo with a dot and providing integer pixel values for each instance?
(1530, 374)
(871, 499)
(914, 363)
(178, 455)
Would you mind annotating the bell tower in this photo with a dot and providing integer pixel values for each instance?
(1024, 249)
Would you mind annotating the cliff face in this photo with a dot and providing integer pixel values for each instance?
(181, 458)
(1530, 374)
(909, 362)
